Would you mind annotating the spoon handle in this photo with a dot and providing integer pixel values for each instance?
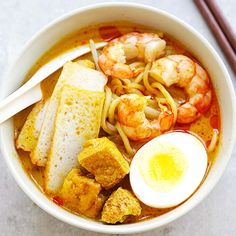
(30, 92)
(13, 104)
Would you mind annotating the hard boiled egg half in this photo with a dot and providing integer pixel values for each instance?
(168, 169)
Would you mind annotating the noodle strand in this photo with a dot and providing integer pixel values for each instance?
(124, 139)
(111, 110)
(136, 64)
(111, 129)
(94, 54)
(134, 91)
(139, 78)
(145, 80)
(136, 86)
(214, 140)
(117, 86)
(168, 98)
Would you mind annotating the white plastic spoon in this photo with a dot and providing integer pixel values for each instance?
(30, 92)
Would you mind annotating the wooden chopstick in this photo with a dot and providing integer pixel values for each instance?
(224, 24)
(217, 31)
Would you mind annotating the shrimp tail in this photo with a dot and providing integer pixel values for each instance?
(187, 113)
(166, 120)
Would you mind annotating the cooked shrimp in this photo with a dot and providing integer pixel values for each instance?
(134, 123)
(183, 72)
(146, 47)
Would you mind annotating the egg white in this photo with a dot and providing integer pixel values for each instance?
(196, 157)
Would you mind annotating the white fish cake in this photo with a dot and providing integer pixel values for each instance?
(29, 133)
(73, 74)
(78, 119)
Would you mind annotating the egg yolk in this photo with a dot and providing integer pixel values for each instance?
(163, 170)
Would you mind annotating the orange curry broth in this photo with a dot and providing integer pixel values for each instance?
(203, 127)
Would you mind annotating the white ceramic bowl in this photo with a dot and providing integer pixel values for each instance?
(149, 16)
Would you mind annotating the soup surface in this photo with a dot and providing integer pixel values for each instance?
(206, 126)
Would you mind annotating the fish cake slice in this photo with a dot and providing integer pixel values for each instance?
(78, 119)
(29, 133)
(73, 74)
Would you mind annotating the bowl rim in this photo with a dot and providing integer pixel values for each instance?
(136, 227)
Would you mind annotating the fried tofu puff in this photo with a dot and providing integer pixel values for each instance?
(119, 206)
(102, 158)
(82, 194)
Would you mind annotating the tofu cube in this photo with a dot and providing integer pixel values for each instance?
(119, 206)
(82, 194)
(102, 158)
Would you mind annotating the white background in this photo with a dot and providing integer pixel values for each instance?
(19, 20)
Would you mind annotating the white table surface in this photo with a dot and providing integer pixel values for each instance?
(19, 20)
